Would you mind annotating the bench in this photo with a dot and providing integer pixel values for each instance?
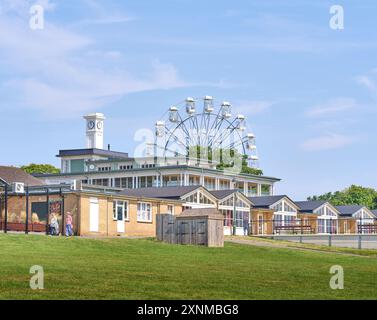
(295, 229)
(367, 228)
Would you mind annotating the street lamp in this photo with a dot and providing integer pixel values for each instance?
(234, 209)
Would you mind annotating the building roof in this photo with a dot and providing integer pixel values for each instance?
(221, 194)
(164, 168)
(12, 174)
(209, 213)
(266, 201)
(310, 206)
(160, 192)
(374, 213)
(95, 152)
(349, 210)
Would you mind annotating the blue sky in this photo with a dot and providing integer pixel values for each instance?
(309, 91)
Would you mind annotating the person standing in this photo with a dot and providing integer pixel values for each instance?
(69, 225)
(246, 225)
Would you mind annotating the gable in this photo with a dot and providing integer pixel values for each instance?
(199, 195)
(284, 205)
(363, 213)
(241, 201)
(327, 210)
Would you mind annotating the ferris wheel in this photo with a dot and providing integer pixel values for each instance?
(186, 126)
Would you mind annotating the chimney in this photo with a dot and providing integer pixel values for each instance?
(108, 147)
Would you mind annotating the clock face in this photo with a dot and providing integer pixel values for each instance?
(99, 125)
(91, 125)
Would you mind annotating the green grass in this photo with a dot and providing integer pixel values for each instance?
(79, 268)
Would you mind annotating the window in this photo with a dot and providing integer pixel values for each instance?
(146, 166)
(224, 184)
(331, 212)
(228, 203)
(278, 207)
(193, 198)
(120, 210)
(288, 208)
(346, 230)
(104, 169)
(194, 181)
(123, 182)
(283, 206)
(144, 212)
(170, 209)
(203, 199)
(327, 225)
(278, 219)
(252, 190)
(320, 211)
(65, 166)
(241, 204)
(265, 189)
(289, 220)
(101, 182)
(126, 167)
(228, 221)
(144, 182)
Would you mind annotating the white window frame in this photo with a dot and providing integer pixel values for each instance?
(198, 204)
(172, 209)
(283, 213)
(140, 213)
(125, 207)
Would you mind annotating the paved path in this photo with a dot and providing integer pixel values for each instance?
(279, 244)
(341, 241)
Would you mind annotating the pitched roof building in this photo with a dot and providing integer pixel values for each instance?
(11, 175)
(310, 206)
(349, 210)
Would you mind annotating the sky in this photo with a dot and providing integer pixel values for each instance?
(309, 91)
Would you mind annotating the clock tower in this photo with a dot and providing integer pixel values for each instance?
(94, 130)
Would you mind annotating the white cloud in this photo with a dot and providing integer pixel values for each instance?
(332, 106)
(327, 142)
(104, 14)
(54, 73)
(106, 20)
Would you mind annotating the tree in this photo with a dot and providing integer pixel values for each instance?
(354, 195)
(40, 168)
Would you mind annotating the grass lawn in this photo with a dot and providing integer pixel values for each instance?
(79, 268)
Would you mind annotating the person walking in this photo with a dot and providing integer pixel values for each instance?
(54, 224)
(69, 225)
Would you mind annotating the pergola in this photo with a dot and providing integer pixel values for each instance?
(6, 192)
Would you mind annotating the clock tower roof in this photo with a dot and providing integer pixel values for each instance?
(96, 115)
